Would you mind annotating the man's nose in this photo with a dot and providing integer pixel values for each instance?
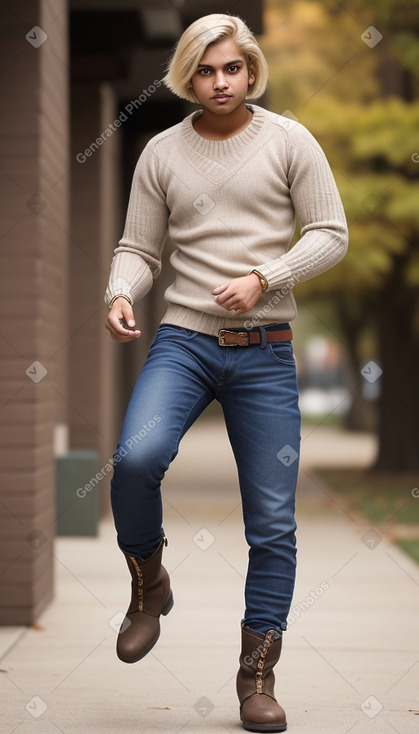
(220, 81)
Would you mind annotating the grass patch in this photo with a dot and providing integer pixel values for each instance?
(385, 499)
(323, 419)
(382, 498)
(411, 547)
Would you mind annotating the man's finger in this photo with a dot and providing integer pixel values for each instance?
(220, 289)
(118, 327)
(225, 297)
(125, 310)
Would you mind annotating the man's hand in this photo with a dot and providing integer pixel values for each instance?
(121, 322)
(240, 294)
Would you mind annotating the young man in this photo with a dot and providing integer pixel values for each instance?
(224, 185)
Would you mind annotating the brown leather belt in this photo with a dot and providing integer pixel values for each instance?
(239, 338)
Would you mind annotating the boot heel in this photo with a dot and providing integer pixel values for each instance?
(169, 605)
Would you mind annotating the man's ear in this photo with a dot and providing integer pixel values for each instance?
(251, 69)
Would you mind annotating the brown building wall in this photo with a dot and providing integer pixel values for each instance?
(33, 191)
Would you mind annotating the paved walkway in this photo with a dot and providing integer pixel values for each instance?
(351, 654)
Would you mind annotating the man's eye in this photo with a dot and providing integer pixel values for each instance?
(233, 68)
(205, 72)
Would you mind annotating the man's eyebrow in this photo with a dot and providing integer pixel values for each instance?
(229, 63)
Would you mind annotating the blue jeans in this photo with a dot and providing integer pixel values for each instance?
(257, 389)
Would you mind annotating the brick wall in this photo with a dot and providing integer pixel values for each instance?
(33, 331)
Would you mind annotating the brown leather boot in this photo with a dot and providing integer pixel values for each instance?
(151, 596)
(259, 710)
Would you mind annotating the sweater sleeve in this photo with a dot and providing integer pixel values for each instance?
(137, 258)
(324, 235)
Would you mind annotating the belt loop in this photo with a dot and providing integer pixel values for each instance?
(262, 344)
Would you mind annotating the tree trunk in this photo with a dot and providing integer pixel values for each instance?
(352, 325)
(398, 429)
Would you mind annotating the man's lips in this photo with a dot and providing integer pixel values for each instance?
(222, 96)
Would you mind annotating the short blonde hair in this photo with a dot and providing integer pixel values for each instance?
(193, 43)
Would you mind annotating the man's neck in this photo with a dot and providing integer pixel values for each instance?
(222, 127)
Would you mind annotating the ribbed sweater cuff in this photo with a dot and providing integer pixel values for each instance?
(277, 274)
(123, 282)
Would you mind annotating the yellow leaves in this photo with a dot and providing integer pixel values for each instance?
(333, 83)
(381, 134)
(372, 247)
(403, 206)
(387, 129)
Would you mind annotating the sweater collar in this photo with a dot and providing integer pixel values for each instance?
(220, 148)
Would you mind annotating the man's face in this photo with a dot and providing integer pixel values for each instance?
(222, 79)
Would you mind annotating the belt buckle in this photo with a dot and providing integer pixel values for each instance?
(241, 336)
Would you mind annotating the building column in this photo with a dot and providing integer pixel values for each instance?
(95, 225)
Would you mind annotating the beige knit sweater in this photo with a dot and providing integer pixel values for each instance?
(227, 207)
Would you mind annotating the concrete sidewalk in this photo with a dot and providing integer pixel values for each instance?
(351, 654)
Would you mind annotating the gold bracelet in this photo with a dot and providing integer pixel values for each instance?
(120, 295)
(264, 283)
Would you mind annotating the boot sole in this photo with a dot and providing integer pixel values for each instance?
(264, 727)
(166, 609)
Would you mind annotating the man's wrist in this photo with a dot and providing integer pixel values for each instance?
(120, 295)
(263, 281)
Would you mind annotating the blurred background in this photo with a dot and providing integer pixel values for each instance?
(80, 98)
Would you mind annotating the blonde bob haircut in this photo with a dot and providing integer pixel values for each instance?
(193, 43)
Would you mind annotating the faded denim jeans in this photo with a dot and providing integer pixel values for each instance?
(256, 387)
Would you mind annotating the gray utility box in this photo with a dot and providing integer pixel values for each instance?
(77, 493)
